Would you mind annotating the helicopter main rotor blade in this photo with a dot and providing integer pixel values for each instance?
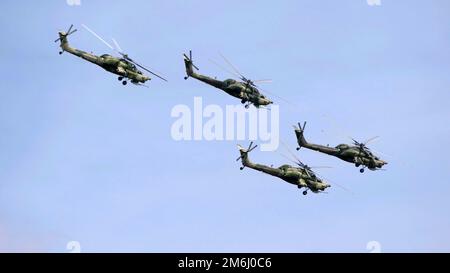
(98, 37)
(334, 183)
(140, 84)
(224, 69)
(263, 81)
(141, 66)
(274, 95)
(299, 163)
(292, 154)
(287, 157)
(232, 66)
(116, 44)
(382, 154)
(370, 140)
(340, 186)
(320, 167)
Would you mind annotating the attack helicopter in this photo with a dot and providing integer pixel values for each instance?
(358, 153)
(245, 90)
(302, 175)
(125, 67)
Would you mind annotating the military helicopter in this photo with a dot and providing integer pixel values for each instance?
(302, 175)
(358, 153)
(123, 66)
(245, 90)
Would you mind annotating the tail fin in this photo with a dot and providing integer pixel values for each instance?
(63, 39)
(244, 154)
(189, 64)
(300, 137)
(189, 70)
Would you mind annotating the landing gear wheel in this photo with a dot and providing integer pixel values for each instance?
(361, 170)
(120, 78)
(246, 106)
(241, 168)
(124, 82)
(305, 192)
(298, 148)
(186, 77)
(243, 101)
(357, 165)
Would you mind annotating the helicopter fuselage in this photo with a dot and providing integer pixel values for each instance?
(352, 154)
(293, 175)
(237, 89)
(110, 63)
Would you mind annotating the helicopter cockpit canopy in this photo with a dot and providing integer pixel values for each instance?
(105, 56)
(229, 82)
(369, 153)
(284, 167)
(342, 146)
(128, 63)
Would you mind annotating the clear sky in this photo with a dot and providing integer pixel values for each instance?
(83, 158)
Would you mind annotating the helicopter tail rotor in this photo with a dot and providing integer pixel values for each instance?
(63, 37)
(189, 63)
(244, 154)
(299, 134)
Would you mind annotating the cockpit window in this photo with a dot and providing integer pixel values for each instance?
(128, 63)
(105, 56)
(229, 82)
(342, 146)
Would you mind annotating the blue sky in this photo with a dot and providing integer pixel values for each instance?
(85, 159)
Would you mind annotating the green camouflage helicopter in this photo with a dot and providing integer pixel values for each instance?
(124, 66)
(302, 176)
(246, 90)
(358, 153)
